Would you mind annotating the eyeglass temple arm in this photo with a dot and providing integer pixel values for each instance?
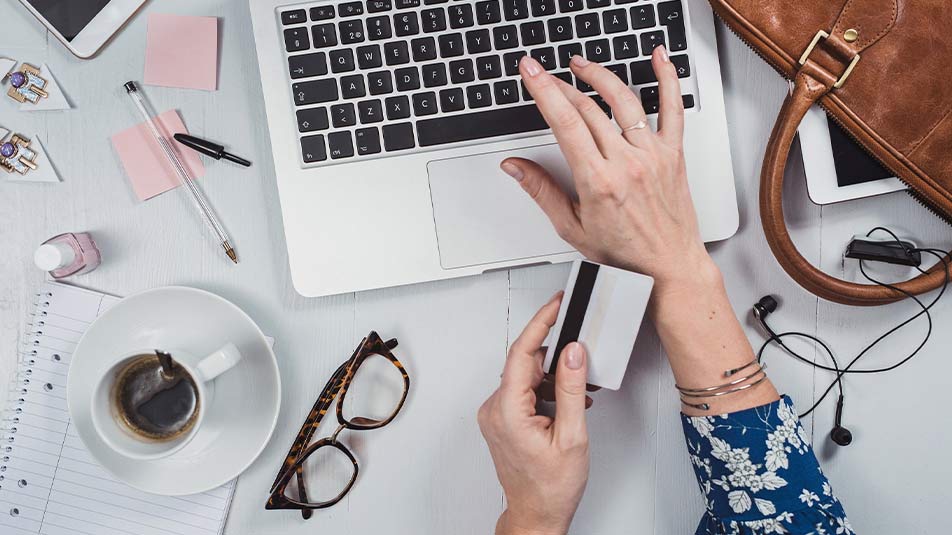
(391, 343)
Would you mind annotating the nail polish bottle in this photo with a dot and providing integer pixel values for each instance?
(68, 254)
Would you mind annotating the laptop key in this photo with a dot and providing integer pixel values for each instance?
(324, 35)
(672, 16)
(313, 149)
(480, 125)
(398, 136)
(586, 25)
(367, 140)
(424, 49)
(594, 4)
(380, 82)
(681, 65)
(352, 86)
(620, 70)
(479, 96)
(533, 33)
(424, 104)
(295, 39)
(351, 31)
(567, 6)
(511, 61)
(311, 119)
(407, 78)
(379, 28)
(293, 17)
(614, 20)
(451, 45)
(488, 12)
(434, 75)
(625, 46)
(565, 53)
(376, 6)
(342, 60)
(343, 115)
(461, 71)
(368, 57)
(598, 50)
(650, 41)
(560, 29)
(370, 111)
(314, 92)
(688, 101)
(515, 9)
(477, 41)
(351, 9)
(642, 73)
(506, 92)
(434, 20)
(406, 24)
(461, 16)
(341, 145)
(306, 65)
(545, 57)
(396, 53)
(642, 17)
(407, 4)
(398, 107)
(322, 13)
(542, 8)
(505, 37)
(451, 100)
(488, 67)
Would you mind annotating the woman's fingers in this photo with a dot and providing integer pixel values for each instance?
(602, 128)
(671, 120)
(523, 370)
(567, 125)
(625, 106)
(570, 427)
(550, 197)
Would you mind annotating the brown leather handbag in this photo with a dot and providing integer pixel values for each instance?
(881, 69)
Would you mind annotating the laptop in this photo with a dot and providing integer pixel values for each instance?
(389, 118)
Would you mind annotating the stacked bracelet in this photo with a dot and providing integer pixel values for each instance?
(756, 376)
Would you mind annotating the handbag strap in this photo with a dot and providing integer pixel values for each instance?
(811, 84)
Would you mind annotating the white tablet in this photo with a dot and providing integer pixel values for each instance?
(837, 168)
(83, 26)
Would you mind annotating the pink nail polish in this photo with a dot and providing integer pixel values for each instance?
(532, 66)
(68, 254)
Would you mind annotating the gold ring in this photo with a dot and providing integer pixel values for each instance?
(640, 125)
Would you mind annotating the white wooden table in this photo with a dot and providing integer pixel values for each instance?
(430, 471)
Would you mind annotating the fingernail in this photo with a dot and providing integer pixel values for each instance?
(532, 66)
(579, 61)
(575, 356)
(511, 170)
(664, 54)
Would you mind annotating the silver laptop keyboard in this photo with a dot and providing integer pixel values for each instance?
(378, 78)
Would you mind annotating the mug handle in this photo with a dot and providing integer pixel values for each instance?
(218, 362)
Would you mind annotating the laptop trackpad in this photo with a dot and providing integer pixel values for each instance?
(483, 216)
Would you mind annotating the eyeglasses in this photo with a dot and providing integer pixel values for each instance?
(369, 387)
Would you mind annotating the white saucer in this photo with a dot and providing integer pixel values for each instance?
(243, 410)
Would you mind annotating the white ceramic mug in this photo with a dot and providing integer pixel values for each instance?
(117, 436)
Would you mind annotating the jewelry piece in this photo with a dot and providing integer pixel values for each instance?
(707, 393)
(705, 406)
(640, 125)
(694, 391)
(16, 155)
(26, 85)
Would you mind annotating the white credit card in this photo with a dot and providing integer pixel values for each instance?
(602, 309)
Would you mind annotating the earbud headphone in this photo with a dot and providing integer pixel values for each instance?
(768, 304)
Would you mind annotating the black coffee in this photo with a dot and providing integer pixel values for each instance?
(153, 404)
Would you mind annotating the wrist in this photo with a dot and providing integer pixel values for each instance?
(692, 275)
(510, 524)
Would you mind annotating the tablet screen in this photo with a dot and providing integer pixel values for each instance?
(853, 164)
(69, 17)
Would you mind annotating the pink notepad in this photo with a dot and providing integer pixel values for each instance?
(182, 51)
(149, 171)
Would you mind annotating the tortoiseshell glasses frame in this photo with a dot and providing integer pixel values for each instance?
(336, 386)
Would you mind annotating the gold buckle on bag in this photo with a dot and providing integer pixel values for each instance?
(806, 55)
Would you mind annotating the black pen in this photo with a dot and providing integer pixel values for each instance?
(209, 149)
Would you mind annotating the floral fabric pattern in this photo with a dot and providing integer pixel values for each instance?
(759, 476)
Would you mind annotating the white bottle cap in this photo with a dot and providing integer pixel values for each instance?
(52, 256)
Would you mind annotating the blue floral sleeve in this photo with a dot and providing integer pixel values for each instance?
(758, 475)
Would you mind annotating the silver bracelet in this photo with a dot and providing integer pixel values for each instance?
(689, 391)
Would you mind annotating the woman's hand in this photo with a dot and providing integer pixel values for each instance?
(542, 463)
(634, 209)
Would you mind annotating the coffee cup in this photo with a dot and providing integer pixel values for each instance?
(151, 404)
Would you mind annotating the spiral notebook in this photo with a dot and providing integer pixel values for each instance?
(49, 483)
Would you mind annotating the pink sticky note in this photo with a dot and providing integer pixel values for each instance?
(149, 171)
(182, 51)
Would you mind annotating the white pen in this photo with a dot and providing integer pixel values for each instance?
(201, 203)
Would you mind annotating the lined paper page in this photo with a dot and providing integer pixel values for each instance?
(49, 483)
